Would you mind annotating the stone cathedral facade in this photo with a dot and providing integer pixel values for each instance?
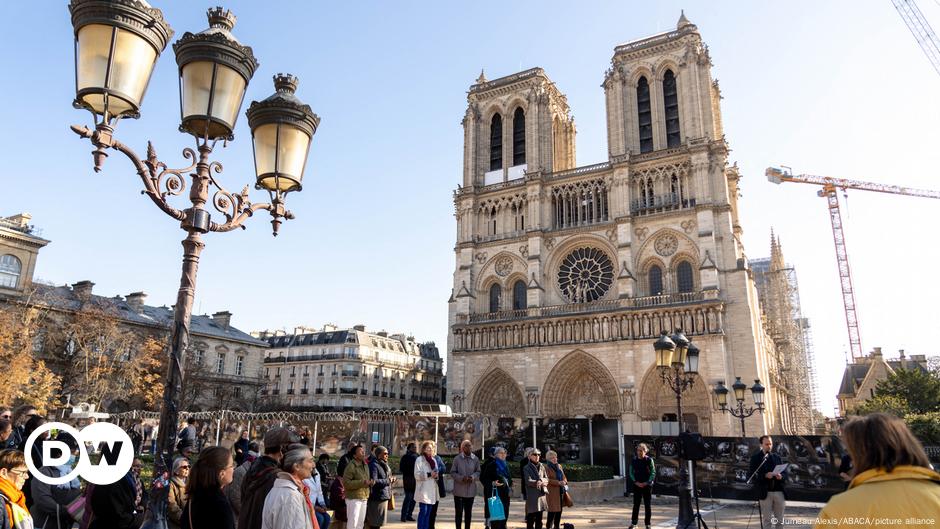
(565, 275)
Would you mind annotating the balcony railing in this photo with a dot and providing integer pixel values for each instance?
(333, 391)
(595, 306)
(348, 391)
(660, 203)
(350, 373)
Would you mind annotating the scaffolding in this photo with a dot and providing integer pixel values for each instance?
(779, 294)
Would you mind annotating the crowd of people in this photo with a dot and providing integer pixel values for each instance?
(277, 484)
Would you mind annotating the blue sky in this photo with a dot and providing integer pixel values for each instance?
(837, 88)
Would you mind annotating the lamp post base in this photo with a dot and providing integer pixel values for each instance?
(686, 514)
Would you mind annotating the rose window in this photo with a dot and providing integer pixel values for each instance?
(585, 275)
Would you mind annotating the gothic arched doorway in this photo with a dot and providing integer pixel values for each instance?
(658, 403)
(580, 384)
(497, 394)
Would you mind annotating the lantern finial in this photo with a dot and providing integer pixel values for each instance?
(285, 82)
(221, 18)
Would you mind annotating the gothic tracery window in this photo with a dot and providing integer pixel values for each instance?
(496, 295)
(519, 295)
(655, 280)
(585, 275)
(496, 143)
(644, 115)
(518, 137)
(671, 108)
(684, 280)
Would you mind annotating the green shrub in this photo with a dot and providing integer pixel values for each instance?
(576, 473)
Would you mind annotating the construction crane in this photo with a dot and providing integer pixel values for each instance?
(921, 30)
(829, 187)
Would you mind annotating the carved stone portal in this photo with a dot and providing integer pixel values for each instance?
(498, 394)
(580, 384)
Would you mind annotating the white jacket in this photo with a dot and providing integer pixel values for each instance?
(316, 491)
(285, 506)
(426, 486)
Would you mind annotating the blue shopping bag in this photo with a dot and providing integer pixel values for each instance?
(497, 513)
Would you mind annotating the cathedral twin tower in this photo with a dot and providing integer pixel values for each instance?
(566, 275)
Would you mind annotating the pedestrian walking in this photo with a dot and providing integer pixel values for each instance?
(206, 506)
(241, 448)
(465, 471)
(317, 498)
(13, 472)
(642, 473)
(769, 483)
(338, 503)
(557, 488)
(50, 502)
(536, 481)
(892, 479)
(407, 468)
(234, 489)
(187, 436)
(381, 491)
(496, 480)
(357, 483)
(288, 504)
(426, 491)
(261, 476)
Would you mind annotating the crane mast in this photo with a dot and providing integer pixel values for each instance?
(829, 191)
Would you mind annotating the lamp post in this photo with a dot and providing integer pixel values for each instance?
(757, 392)
(677, 361)
(117, 44)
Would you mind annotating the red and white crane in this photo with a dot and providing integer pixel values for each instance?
(829, 187)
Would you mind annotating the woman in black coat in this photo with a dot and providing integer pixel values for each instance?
(50, 502)
(112, 505)
(495, 474)
(208, 508)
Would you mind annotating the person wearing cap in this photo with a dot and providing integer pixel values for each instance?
(536, 481)
(381, 492)
(50, 501)
(261, 477)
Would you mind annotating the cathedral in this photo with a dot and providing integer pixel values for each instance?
(566, 275)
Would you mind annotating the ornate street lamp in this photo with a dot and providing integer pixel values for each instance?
(117, 43)
(677, 359)
(757, 393)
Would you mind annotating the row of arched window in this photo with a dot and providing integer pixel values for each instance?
(518, 140)
(519, 300)
(670, 111)
(685, 280)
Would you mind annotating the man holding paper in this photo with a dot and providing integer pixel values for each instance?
(771, 474)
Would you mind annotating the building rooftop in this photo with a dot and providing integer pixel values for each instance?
(855, 373)
(132, 310)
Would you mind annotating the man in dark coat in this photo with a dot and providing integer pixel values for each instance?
(769, 485)
(407, 467)
(261, 476)
(113, 505)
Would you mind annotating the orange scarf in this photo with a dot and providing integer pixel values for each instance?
(15, 495)
(313, 515)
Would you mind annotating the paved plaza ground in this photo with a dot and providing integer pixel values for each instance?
(615, 513)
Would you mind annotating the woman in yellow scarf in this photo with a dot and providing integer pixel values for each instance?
(13, 473)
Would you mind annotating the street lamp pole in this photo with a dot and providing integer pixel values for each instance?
(677, 361)
(740, 411)
(117, 44)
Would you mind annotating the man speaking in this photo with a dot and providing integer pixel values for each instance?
(769, 476)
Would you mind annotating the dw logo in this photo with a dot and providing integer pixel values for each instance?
(117, 453)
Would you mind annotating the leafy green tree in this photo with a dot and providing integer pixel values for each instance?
(883, 404)
(921, 390)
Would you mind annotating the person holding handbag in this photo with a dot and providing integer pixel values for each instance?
(536, 483)
(497, 482)
(557, 489)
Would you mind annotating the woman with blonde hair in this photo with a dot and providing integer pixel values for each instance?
(557, 488)
(892, 477)
(426, 491)
(13, 474)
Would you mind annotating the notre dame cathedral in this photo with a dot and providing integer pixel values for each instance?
(566, 275)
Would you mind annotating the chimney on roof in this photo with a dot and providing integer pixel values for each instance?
(223, 319)
(136, 301)
(360, 327)
(383, 334)
(329, 327)
(21, 220)
(876, 353)
(82, 289)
